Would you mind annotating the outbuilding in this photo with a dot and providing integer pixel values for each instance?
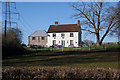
(38, 38)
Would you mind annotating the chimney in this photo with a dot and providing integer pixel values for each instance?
(78, 21)
(79, 24)
(56, 22)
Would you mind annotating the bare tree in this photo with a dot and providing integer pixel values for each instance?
(119, 21)
(97, 18)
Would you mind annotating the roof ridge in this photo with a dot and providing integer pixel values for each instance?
(40, 30)
(39, 33)
(65, 24)
(63, 28)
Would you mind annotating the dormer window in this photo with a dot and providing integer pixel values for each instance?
(54, 35)
(71, 34)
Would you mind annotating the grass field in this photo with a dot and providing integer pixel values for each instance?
(76, 48)
(76, 58)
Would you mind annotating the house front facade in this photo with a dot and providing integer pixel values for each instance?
(38, 38)
(67, 35)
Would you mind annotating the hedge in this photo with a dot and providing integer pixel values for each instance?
(55, 73)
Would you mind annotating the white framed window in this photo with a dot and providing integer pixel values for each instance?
(71, 35)
(33, 38)
(42, 38)
(54, 35)
(62, 35)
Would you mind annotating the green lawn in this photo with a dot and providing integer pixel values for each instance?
(76, 48)
(81, 59)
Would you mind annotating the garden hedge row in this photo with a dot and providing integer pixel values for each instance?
(55, 73)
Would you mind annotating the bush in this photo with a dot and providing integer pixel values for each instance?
(11, 45)
(33, 73)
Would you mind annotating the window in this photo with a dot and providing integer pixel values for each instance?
(71, 42)
(67, 42)
(71, 34)
(43, 38)
(49, 35)
(33, 38)
(62, 35)
(54, 35)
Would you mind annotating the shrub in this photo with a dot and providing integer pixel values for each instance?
(11, 45)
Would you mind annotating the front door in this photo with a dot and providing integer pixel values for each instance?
(54, 42)
(71, 42)
(63, 42)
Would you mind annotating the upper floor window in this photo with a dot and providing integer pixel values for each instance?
(71, 34)
(43, 38)
(33, 38)
(54, 35)
(49, 35)
(62, 35)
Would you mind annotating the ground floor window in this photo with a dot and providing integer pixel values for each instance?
(43, 38)
(33, 38)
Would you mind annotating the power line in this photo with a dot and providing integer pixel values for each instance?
(8, 16)
(27, 24)
(11, 10)
(5, 20)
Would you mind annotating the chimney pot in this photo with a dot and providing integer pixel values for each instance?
(78, 21)
(56, 22)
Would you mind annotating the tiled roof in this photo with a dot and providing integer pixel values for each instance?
(63, 28)
(39, 33)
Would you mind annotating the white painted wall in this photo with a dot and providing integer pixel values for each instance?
(67, 38)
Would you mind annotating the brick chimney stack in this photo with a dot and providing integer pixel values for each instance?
(56, 22)
(78, 21)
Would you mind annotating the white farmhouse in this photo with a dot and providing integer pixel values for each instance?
(67, 35)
